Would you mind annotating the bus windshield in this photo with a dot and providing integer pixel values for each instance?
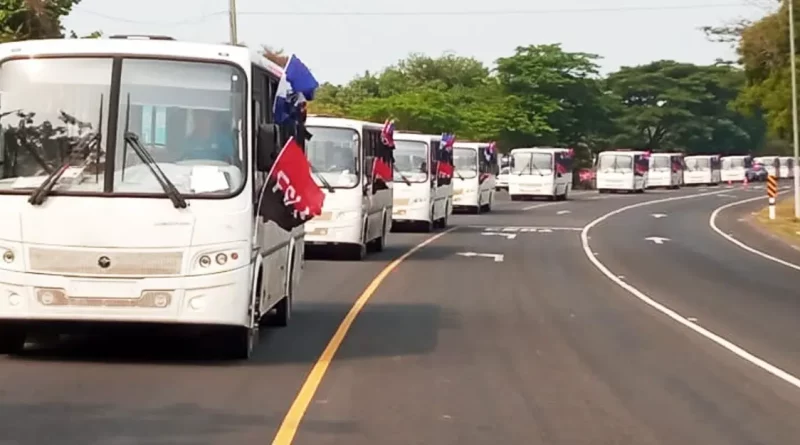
(465, 161)
(186, 115)
(410, 160)
(695, 164)
(615, 162)
(333, 155)
(729, 163)
(660, 162)
(529, 163)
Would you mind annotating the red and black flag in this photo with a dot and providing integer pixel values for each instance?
(290, 196)
(382, 166)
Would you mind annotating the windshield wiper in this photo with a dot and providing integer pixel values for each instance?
(405, 179)
(172, 192)
(322, 179)
(81, 150)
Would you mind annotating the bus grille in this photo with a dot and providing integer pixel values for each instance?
(88, 262)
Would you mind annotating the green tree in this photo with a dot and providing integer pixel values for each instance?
(33, 19)
(428, 94)
(562, 96)
(667, 105)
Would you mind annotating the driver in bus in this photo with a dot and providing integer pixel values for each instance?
(209, 139)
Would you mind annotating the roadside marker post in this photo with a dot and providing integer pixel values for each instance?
(772, 194)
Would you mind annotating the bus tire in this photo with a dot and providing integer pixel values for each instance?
(283, 310)
(12, 339)
(239, 342)
(380, 243)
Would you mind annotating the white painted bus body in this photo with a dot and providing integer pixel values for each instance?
(425, 199)
(771, 163)
(702, 170)
(786, 169)
(535, 173)
(474, 178)
(357, 210)
(128, 255)
(734, 168)
(666, 170)
(617, 170)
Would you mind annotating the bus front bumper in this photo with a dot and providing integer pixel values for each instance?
(336, 231)
(214, 299)
(413, 212)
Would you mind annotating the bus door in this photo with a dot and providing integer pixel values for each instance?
(440, 155)
(641, 165)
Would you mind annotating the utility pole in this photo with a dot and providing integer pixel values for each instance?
(795, 130)
(232, 21)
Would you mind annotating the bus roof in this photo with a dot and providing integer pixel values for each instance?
(666, 154)
(418, 137)
(540, 149)
(735, 156)
(472, 145)
(623, 152)
(339, 122)
(701, 156)
(142, 46)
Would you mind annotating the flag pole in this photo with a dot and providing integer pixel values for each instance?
(232, 22)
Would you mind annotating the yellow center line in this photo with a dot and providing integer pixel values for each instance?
(291, 423)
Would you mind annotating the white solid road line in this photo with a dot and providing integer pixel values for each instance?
(683, 321)
(712, 222)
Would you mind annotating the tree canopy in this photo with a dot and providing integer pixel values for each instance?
(544, 95)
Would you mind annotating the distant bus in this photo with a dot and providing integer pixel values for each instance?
(420, 195)
(475, 176)
(357, 214)
(540, 172)
(734, 168)
(702, 170)
(622, 170)
(666, 170)
(771, 163)
(786, 167)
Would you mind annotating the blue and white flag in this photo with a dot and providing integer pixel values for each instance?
(297, 86)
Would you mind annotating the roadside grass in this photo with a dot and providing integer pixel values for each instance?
(785, 224)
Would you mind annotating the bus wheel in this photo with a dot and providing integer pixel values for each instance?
(238, 343)
(380, 243)
(12, 339)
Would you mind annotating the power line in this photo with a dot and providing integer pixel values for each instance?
(204, 17)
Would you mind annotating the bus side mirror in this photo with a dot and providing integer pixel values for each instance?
(266, 146)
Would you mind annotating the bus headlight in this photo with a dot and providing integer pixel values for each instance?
(8, 256)
(215, 259)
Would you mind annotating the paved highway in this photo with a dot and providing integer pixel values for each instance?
(536, 324)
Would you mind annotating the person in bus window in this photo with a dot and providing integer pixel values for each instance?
(209, 139)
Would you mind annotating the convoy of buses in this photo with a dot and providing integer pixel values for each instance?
(635, 171)
(141, 234)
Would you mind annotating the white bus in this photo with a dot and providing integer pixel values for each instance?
(622, 170)
(421, 196)
(702, 170)
(771, 163)
(666, 170)
(357, 214)
(786, 167)
(540, 172)
(734, 168)
(167, 235)
(476, 170)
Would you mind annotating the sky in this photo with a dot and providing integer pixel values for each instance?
(340, 39)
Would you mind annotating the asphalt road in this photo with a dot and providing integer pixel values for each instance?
(537, 348)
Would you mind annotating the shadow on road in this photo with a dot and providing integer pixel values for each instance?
(312, 326)
(78, 423)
